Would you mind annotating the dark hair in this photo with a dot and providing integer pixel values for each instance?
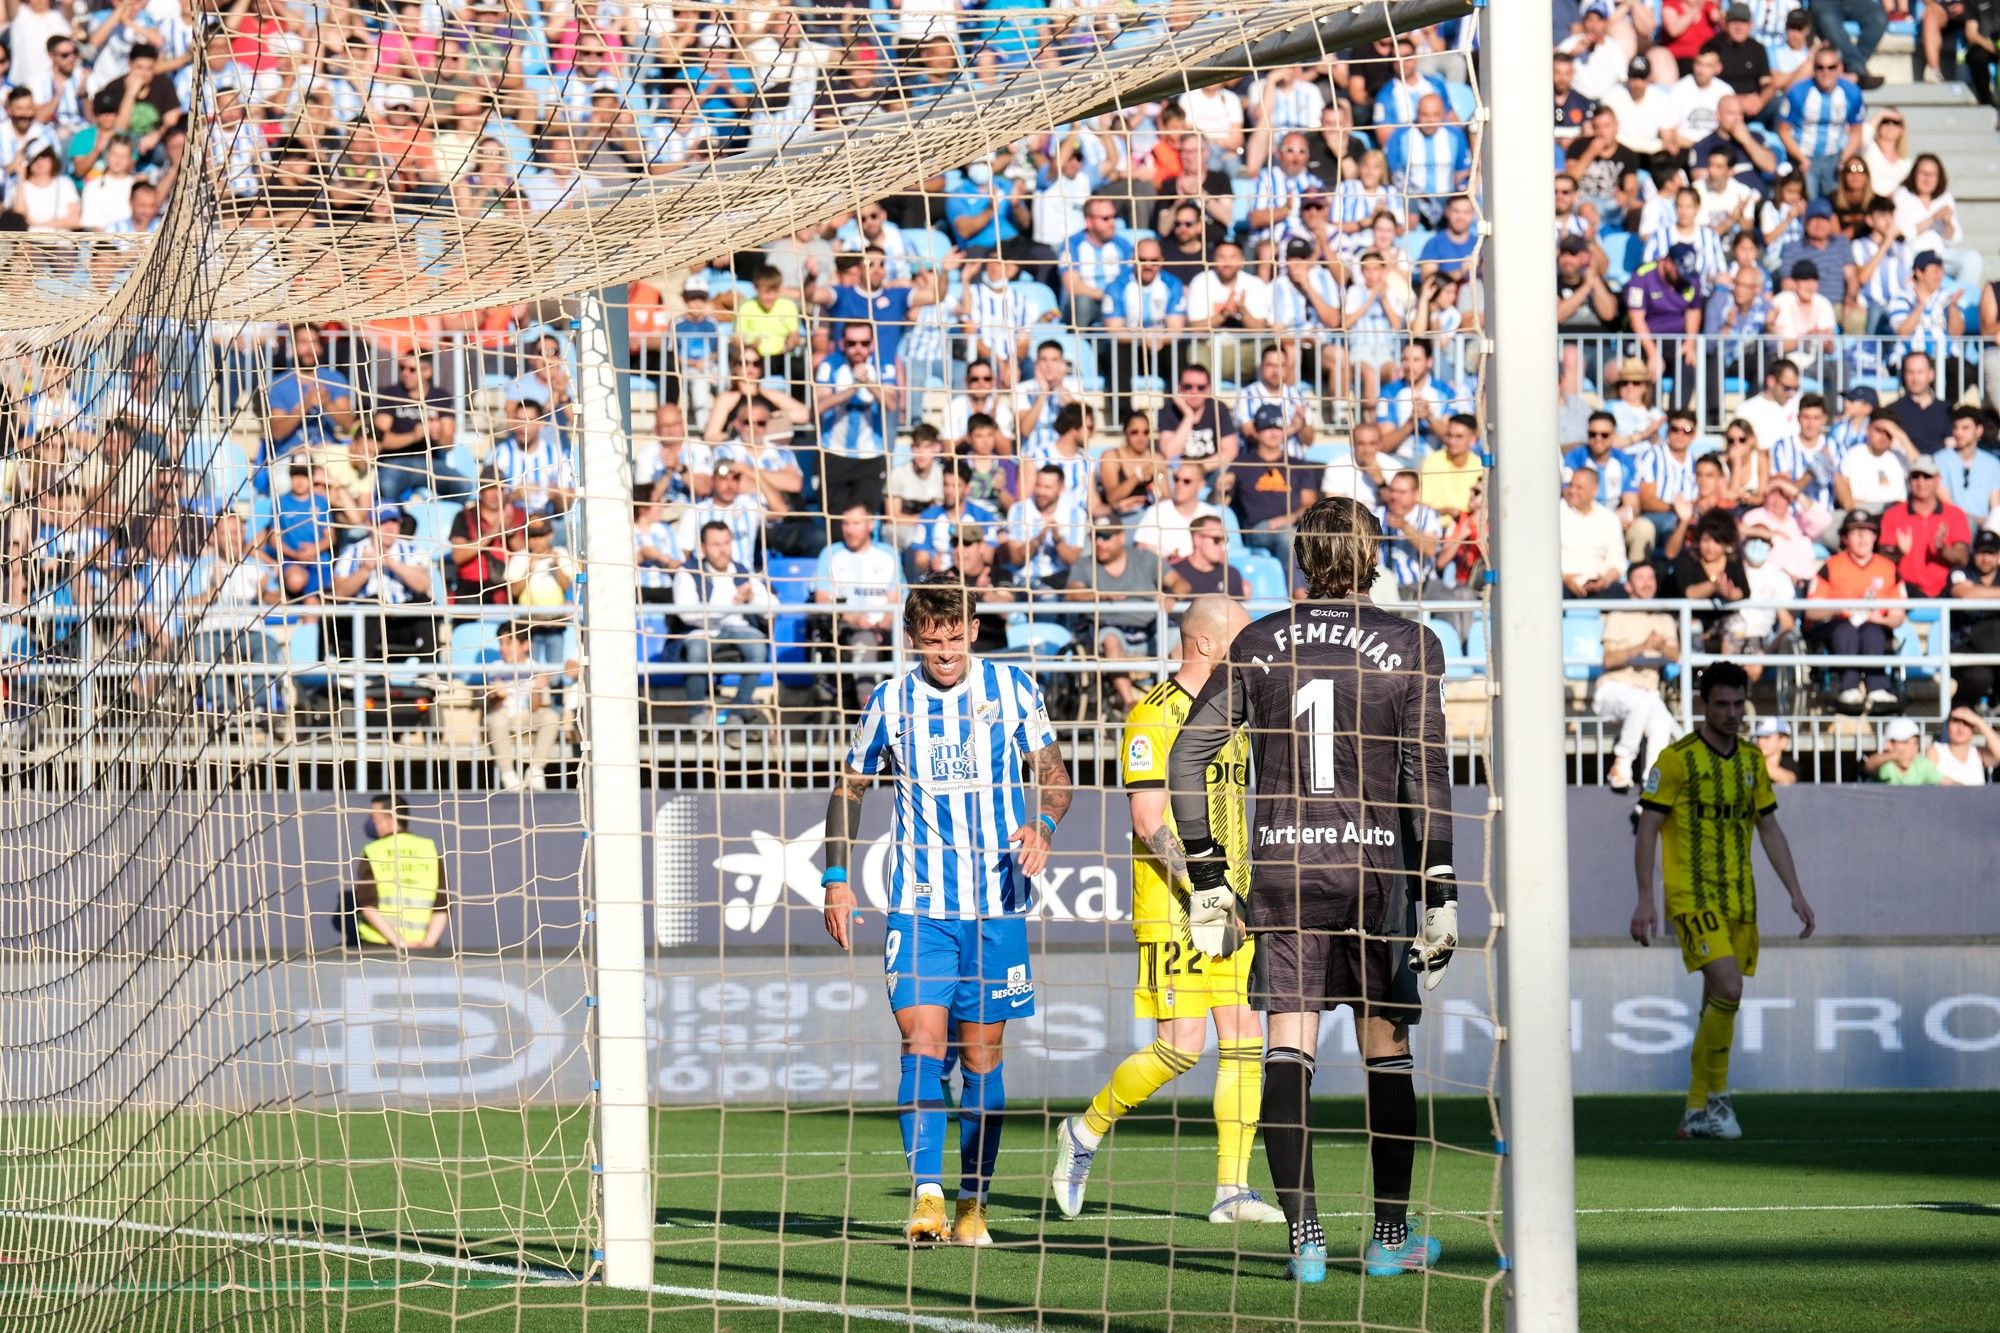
(1070, 418)
(1969, 414)
(516, 629)
(395, 805)
(1813, 400)
(141, 51)
(766, 273)
(1132, 415)
(1048, 343)
(1779, 367)
(1596, 417)
(962, 470)
(1722, 676)
(1681, 414)
(1944, 182)
(925, 431)
(981, 421)
(1465, 419)
(714, 525)
(1719, 524)
(1711, 460)
(1055, 470)
(1335, 546)
(941, 599)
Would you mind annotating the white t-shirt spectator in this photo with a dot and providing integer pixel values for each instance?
(1213, 111)
(1792, 317)
(1718, 206)
(1599, 70)
(706, 598)
(1768, 583)
(1640, 122)
(1057, 208)
(1693, 109)
(1875, 480)
(1207, 291)
(1590, 543)
(1773, 421)
(43, 204)
(871, 574)
(107, 201)
(28, 39)
(1163, 529)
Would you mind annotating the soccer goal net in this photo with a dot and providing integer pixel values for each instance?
(463, 468)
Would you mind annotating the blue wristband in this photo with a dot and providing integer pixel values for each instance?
(1048, 823)
(834, 875)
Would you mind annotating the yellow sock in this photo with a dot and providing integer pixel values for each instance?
(1708, 1062)
(1239, 1096)
(1138, 1076)
(1720, 1018)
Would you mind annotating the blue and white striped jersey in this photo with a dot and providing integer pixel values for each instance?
(958, 759)
(1276, 189)
(1617, 473)
(1711, 259)
(383, 586)
(1933, 332)
(1289, 307)
(1672, 478)
(995, 315)
(857, 428)
(1890, 281)
(1097, 265)
(1145, 305)
(1820, 119)
(1432, 165)
(1397, 405)
(1077, 469)
(532, 472)
(1400, 556)
(1812, 467)
(1396, 104)
(1289, 398)
(1296, 106)
(1767, 22)
(1846, 432)
(1072, 526)
(744, 517)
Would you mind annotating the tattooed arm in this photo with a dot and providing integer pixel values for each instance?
(1149, 809)
(843, 822)
(1053, 791)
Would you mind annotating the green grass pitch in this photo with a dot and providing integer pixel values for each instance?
(1849, 1212)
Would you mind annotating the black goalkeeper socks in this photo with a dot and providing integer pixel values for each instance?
(1285, 1118)
(1392, 1143)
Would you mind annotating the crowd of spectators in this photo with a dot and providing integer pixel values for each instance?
(1096, 371)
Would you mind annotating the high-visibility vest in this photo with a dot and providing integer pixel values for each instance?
(405, 867)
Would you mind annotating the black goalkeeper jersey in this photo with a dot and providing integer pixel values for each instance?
(1344, 704)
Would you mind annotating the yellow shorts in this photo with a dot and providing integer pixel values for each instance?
(1707, 935)
(1178, 981)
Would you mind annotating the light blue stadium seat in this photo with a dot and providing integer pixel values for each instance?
(1038, 639)
(1909, 644)
(475, 645)
(1328, 452)
(926, 246)
(1475, 648)
(1583, 645)
(1464, 102)
(1040, 297)
(1448, 638)
(1413, 243)
(429, 521)
(460, 459)
(227, 478)
(791, 639)
(1265, 576)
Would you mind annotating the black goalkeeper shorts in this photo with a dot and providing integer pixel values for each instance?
(1306, 971)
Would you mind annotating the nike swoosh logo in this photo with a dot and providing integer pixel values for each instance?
(1017, 1003)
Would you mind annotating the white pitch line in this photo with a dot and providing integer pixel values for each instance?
(540, 1277)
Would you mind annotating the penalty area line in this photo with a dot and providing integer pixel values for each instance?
(532, 1274)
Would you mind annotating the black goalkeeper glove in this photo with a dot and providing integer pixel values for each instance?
(1215, 913)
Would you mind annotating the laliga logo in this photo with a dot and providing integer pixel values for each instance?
(755, 882)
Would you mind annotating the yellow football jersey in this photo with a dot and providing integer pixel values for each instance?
(1150, 728)
(1712, 803)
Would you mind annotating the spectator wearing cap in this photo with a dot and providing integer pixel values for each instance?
(1773, 738)
(1803, 321)
(1268, 490)
(1975, 623)
(1633, 407)
(1858, 407)
(1858, 572)
(1927, 319)
(1643, 111)
(1820, 124)
(386, 569)
(1875, 473)
(1638, 646)
(1901, 762)
(1663, 300)
(1790, 44)
(1970, 474)
(1927, 535)
(1746, 65)
(1432, 160)
(1827, 249)
(1924, 417)
(1600, 56)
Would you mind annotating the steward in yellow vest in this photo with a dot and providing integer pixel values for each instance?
(399, 890)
